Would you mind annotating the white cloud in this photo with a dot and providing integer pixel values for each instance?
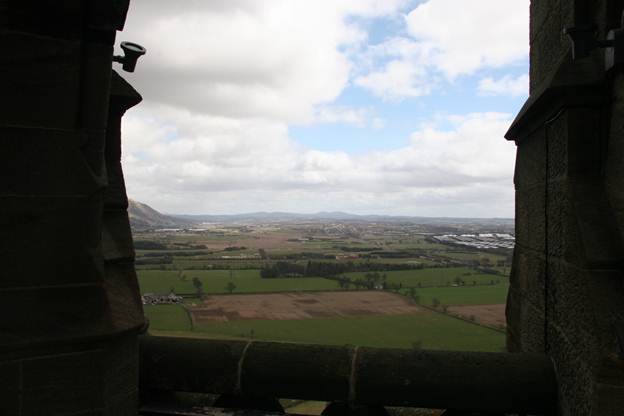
(220, 165)
(507, 85)
(277, 59)
(447, 38)
(224, 80)
(465, 36)
(398, 79)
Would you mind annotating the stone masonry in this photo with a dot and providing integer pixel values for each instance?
(567, 286)
(70, 309)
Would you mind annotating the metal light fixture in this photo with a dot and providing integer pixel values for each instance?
(584, 40)
(132, 52)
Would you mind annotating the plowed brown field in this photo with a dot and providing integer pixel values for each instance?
(492, 315)
(301, 305)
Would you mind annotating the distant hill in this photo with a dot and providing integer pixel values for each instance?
(142, 216)
(260, 217)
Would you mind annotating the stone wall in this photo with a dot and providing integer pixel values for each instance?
(567, 287)
(69, 302)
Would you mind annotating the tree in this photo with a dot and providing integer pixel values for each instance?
(199, 286)
(230, 287)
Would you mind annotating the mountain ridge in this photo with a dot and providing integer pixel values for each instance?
(144, 216)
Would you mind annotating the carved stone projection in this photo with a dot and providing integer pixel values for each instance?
(567, 287)
(69, 303)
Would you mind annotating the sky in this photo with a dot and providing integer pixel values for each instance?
(395, 107)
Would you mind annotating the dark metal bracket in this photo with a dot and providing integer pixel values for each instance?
(584, 40)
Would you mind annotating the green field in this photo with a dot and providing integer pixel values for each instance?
(307, 408)
(433, 276)
(215, 281)
(167, 317)
(464, 295)
(425, 329)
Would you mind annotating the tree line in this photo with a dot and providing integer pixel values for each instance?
(328, 269)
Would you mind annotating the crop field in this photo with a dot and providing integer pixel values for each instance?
(289, 306)
(425, 329)
(167, 317)
(492, 315)
(428, 285)
(216, 281)
(464, 295)
(435, 277)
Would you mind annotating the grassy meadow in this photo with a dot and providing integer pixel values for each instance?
(425, 329)
(235, 254)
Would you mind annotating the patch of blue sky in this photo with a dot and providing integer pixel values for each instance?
(400, 119)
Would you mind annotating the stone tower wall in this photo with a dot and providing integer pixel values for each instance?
(567, 287)
(69, 304)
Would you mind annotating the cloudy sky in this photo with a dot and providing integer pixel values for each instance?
(363, 106)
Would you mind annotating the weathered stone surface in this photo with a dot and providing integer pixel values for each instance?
(324, 370)
(531, 218)
(10, 386)
(531, 161)
(121, 376)
(125, 310)
(68, 325)
(95, 87)
(60, 235)
(166, 364)
(63, 384)
(443, 379)
(576, 319)
(116, 236)
(51, 314)
(41, 67)
(614, 167)
(55, 164)
(548, 44)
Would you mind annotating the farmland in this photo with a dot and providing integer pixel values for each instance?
(325, 282)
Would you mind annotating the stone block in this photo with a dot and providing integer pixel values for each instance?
(121, 376)
(63, 384)
(557, 147)
(327, 376)
(532, 328)
(92, 149)
(574, 375)
(531, 161)
(600, 245)
(531, 218)
(117, 241)
(115, 196)
(40, 162)
(62, 19)
(174, 369)
(513, 313)
(125, 310)
(95, 92)
(540, 10)
(614, 163)
(45, 314)
(548, 46)
(62, 234)
(585, 145)
(571, 309)
(10, 388)
(559, 219)
(529, 278)
(39, 80)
